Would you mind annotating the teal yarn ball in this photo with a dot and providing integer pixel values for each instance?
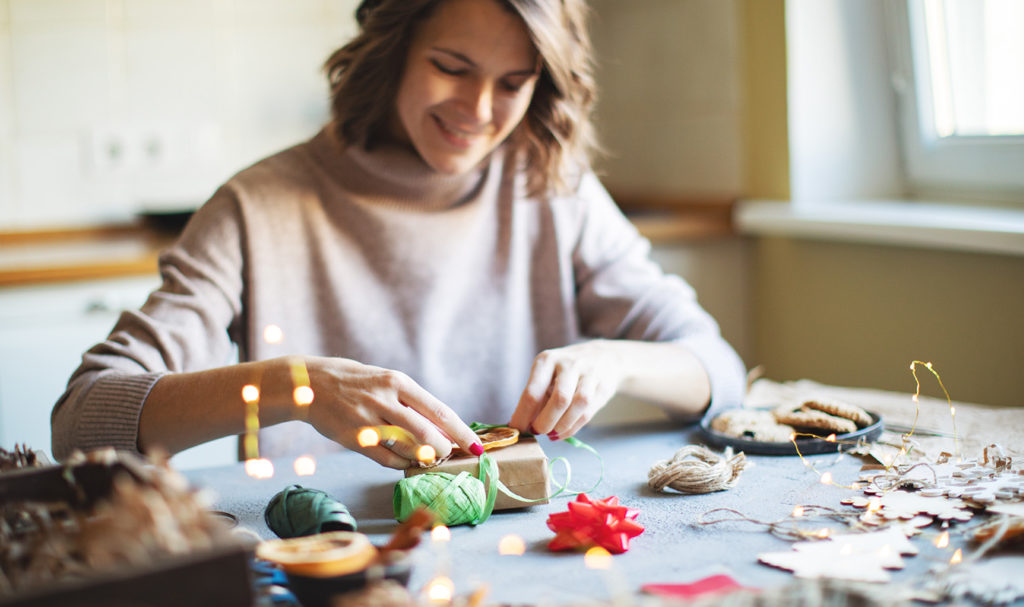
(455, 500)
(299, 511)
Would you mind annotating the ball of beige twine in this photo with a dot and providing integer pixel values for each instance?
(695, 469)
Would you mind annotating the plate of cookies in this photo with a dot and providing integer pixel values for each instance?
(819, 426)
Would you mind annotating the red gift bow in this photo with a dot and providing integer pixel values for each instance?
(594, 523)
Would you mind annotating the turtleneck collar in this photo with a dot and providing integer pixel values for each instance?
(395, 175)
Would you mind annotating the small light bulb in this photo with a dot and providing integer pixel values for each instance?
(426, 454)
(250, 394)
(441, 533)
(305, 465)
(272, 334)
(303, 395)
(368, 437)
(597, 557)
(511, 545)
(260, 468)
(440, 590)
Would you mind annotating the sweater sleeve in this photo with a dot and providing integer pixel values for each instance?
(621, 293)
(185, 325)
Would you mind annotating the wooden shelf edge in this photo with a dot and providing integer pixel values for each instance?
(669, 219)
(78, 272)
(85, 233)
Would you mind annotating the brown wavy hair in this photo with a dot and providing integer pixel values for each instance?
(556, 136)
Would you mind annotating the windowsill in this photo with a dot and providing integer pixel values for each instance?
(900, 223)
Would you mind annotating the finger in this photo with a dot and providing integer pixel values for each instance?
(411, 431)
(602, 394)
(582, 401)
(386, 457)
(434, 417)
(397, 437)
(380, 449)
(535, 394)
(580, 423)
(562, 391)
(527, 410)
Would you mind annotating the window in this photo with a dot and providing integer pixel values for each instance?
(961, 90)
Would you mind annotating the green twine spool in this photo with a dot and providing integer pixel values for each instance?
(298, 511)
(455, 500)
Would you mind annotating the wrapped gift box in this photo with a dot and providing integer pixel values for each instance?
(522, 468)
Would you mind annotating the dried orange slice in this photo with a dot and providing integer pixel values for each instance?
(498, 437)
(493, 438)
(321, 555)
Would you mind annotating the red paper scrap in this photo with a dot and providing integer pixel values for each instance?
(590, 523)
(710, 585)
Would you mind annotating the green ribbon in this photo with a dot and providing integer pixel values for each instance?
(298, 511)
(465, 499)
(454, 499)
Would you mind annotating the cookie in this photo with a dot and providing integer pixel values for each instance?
(752, 424)
(813, 420)
(840, 409)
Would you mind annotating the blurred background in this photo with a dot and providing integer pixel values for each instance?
(770, 149)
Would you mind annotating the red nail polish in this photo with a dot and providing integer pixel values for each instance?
(553, 435)
(476, 449)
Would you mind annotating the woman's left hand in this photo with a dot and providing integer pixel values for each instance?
(567, 386)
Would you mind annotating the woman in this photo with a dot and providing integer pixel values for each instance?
(440, 253)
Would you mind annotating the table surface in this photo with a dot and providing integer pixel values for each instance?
(674, 548)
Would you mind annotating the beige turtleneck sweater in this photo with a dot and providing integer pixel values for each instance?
(457, 281)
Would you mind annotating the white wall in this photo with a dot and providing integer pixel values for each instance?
(109, 105)
(843, 133)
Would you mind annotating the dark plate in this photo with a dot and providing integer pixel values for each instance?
(807, 445)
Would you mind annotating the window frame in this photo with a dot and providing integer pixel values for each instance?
(984, 168)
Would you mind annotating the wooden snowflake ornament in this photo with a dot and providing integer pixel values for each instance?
(904, 505)
(860, 557)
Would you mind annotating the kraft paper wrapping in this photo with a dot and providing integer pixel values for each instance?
(522, 467)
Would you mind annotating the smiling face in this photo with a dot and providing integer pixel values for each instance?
(468, 80)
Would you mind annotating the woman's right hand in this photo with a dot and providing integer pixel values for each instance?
(349, 396)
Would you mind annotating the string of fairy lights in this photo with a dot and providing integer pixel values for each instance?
(303, 396)
(826, 477)
(874, 504)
